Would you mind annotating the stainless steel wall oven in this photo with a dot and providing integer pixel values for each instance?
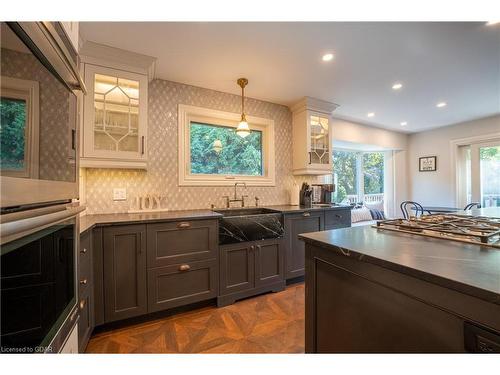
(39, 87)
(39, 84)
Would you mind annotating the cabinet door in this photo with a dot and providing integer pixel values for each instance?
(85, 290)
(125, 293)
(181, 284)
(296, 224)
(237, 268)
(269, 268)
(115, 117)
(85, 323)
(337, 218)
(319, 139)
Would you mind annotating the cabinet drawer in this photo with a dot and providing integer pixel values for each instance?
(180, 242)
(337, 219)
(181, 284)
(84, 263)
(85, 324)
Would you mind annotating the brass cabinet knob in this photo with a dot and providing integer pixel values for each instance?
(82, 304)
(184, 267)
(184, 224)
(83, 282)
(83, 251)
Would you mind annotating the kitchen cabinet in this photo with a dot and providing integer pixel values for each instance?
(114, 131)
(72, 30)
(305, 222)
(250, 268)
(295, 224)
(124, 272)
(181, 284)
(182, 263)
(85, 291)
(312, 137)
(183, 241)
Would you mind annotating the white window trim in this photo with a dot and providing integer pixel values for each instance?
(29, 91)
(188, 113)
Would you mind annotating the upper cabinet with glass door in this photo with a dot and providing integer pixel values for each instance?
(114, 131)
(312, 137)
(115, 118)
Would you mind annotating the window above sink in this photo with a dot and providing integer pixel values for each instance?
(212, 154)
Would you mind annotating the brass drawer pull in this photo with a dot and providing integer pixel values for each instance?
(184, 267)
(183, 225)
(306, 214)
(82, 304)
(83, 282)
(83, 251)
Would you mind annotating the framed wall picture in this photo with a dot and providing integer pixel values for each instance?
(427, 164)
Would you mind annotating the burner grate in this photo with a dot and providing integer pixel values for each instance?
(465, 228)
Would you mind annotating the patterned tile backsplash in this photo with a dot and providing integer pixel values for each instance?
(161, 176)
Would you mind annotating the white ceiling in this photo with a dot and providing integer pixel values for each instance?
(454, 62)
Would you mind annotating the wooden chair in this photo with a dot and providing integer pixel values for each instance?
(470, 206)
(408, 206)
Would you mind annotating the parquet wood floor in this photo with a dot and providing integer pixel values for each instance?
(270, 323)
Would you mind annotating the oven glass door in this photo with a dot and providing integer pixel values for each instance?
(37, 287)
(38, 116)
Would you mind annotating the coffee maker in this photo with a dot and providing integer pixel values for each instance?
(322, 193)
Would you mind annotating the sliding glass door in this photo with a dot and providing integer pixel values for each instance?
(488, 191)
(480, 174)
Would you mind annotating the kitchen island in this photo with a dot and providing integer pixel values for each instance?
(375, 291)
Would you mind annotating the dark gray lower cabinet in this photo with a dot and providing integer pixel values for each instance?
(124, 272)
(181, 284)
(250, 268)
(296, 224)
(85, 290)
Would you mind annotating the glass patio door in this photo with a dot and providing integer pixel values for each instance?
(485, 173)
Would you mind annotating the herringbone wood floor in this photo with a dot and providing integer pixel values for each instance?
(271, 323)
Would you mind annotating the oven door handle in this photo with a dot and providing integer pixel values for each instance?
(13, 230)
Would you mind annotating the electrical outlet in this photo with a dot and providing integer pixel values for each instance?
(119, 194)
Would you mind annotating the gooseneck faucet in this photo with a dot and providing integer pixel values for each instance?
(235, 199)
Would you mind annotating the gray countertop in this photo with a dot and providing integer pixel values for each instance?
(469, 268)
(89, 221)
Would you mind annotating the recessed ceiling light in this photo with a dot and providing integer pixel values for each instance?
(490, 23)
(404, 123)
(441, 104)
(397, 86)
(327, 57)
(370, 114)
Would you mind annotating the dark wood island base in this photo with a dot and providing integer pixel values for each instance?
(399, 294)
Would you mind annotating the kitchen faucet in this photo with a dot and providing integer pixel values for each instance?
(235, 199)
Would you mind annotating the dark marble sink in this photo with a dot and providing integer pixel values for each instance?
(249, 224)
(228, 212)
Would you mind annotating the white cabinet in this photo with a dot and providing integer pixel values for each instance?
(72, 30)
(114, 118)
(312, 137)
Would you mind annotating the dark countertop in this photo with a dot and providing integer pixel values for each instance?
(88, 221)
(471, 269)
(292, 209)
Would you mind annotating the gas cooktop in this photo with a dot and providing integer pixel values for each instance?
(464, 228)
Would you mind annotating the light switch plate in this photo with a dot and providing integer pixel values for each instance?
(119, 194)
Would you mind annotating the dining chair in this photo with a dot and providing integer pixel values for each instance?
(408, 206)
(470, 206)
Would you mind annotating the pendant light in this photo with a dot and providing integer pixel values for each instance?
(217, 146)
(243, 129)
